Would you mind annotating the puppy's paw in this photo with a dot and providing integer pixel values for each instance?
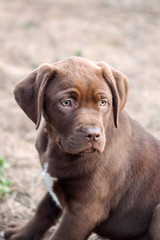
(17, 231)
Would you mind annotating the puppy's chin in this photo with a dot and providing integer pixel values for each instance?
(88, 148)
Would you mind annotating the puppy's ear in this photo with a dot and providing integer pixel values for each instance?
(29, 92)
(118, 83)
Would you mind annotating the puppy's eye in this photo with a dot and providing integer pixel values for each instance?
(103, 103)
(66, 103)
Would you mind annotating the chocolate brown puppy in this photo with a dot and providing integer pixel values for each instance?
(101, 168)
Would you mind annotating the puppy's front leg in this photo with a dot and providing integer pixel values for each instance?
(74, 226)
(46, 215)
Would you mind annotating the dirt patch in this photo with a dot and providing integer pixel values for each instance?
(122, 33)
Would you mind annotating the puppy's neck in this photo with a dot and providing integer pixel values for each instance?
(66, 165)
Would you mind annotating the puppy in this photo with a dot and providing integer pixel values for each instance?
(101, 168)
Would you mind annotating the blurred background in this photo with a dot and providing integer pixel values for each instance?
(123, 33)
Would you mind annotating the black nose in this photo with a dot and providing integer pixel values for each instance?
(92, 133)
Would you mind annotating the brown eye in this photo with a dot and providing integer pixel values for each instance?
(103, 103)
(66, 103)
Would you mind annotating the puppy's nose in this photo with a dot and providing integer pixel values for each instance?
(92, 133)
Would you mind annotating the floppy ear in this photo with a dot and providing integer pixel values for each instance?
(29, 92)
(118, 83)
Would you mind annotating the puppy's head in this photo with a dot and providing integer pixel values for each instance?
(77, 98)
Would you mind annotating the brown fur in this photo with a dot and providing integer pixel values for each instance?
(106, 164)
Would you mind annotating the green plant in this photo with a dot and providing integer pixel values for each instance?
(30, 24)
(4, 183)
(79, 53)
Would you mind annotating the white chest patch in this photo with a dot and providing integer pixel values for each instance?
(49, 182)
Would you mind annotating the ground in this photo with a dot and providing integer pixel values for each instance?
(123, 33)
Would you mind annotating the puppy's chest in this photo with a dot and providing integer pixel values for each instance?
(50, 182)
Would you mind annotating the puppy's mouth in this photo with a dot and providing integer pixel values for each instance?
(88, 148)
(77, 144)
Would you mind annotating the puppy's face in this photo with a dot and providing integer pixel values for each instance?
(77, 98)
(77, 106)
